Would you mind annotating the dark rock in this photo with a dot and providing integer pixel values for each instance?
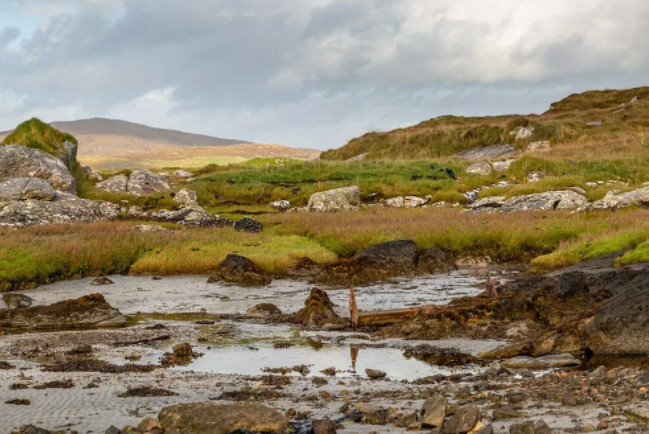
(487, 429)
(522, 428)
(304, 267)
(17, 301)
(204, 418)
(248, 224)
(264, 310)
(504, 413)
(240, 270)
(31, 429)
(375, 374)
(324, 426)
(101, 281)
(572, 284)
(464, 420)
(434, 261)
(317, 311)
(378, 262)
(113, 430)
(83, 312)
(434, 411)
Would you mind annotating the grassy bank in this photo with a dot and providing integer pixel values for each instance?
(43, 254)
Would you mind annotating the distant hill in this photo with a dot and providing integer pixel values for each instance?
(110, 144)
(609, 122)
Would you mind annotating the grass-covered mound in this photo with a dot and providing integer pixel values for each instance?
(35, 133)
(613, 121)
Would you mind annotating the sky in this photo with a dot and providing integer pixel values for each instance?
(309, 73)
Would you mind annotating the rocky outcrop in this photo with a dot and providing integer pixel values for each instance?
(206, 417)
(547, 201)
(317, 311)
(26, 188)
(64, 208)
(21, 162)
(615, 200)
(492, 152)
(84, 312)
(240, 270)
(141, 182)
(339, 199)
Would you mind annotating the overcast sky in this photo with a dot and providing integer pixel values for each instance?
(309, 73)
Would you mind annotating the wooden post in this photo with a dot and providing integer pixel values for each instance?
(353, 309)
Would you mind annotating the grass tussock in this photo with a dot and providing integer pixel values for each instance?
(35, 133)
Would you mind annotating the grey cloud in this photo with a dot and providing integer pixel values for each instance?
(313, 73)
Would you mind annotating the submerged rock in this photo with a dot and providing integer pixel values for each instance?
(240, 270)
(339, 199)
(83, 312)
(205, 417)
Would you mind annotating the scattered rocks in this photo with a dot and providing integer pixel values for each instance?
(502, 166)
(535, 176)
(87, 311)
(339, 199)
(17, 301)
(145, 391)
(240, 270)
(248, 224)
(221, 418)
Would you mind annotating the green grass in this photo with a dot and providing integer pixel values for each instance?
(35, 133)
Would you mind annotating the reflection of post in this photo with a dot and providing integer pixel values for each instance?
(353, 352)
(353, 309)
(491, 289)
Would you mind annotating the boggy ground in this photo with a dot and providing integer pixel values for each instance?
(88, 380)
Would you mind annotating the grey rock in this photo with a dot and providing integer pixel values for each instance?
(638, 197)
(525, 133)
(114, 184)
(339, 199)
(502, 166)
(181, 174)
(143, 182)
(26, 188)
(547, 201)
(535, 176)
(21, 162)
(17, 301)
(542, 146)
(406, 202)
(69, 156)
(479, 168)
(191, 216)
(544, 362)
(66, 208)
(101, 281)
(281, 205)
(463, 420)
(206, 417)
(186, 197)
(136, 212)
(491, 152)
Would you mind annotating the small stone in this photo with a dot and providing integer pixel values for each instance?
(375, 374)
(101, 281)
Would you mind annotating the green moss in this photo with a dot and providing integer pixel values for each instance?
(36, 134)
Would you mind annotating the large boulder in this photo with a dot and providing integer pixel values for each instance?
(206, 417)
(64, 208)
(84, 312)
(26, 188)
(491, 152)
(240, 270)
(547, 201)
(143, 182)
(613, 200)
(339, 199)
(18, 161)
(114, 184)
